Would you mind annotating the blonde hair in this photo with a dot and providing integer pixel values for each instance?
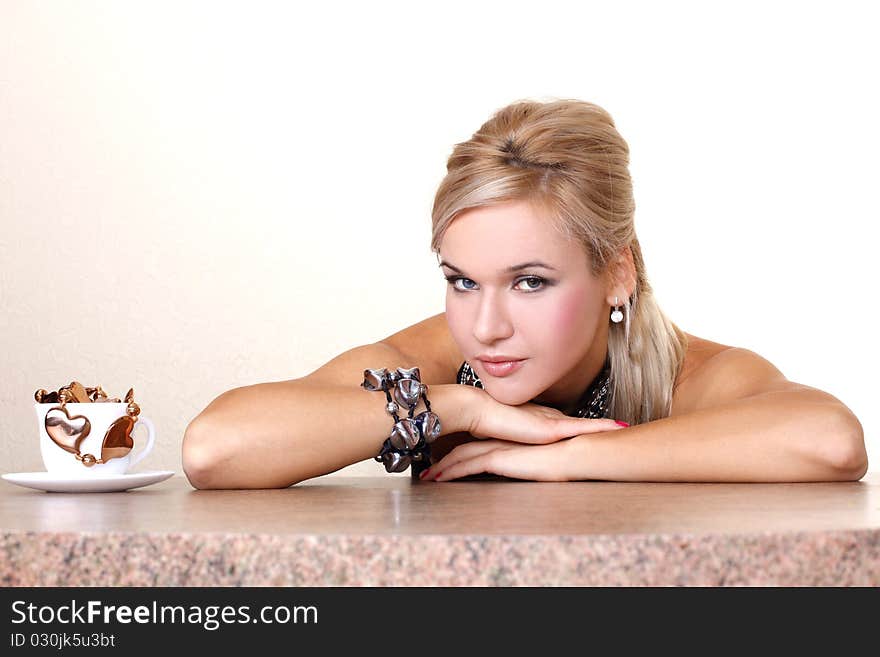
(567, 159)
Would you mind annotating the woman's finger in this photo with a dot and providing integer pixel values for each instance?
(530, 462)
(577, 425)
(467, 467)
(463, 453)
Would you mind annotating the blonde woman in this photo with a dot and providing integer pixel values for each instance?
(553, 360)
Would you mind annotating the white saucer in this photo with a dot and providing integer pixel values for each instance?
(94, 484)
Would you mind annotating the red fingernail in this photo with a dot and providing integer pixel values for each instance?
(623, 424)
(437, 476)
(423, 473)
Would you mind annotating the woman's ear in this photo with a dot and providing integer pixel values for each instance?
(622, 274)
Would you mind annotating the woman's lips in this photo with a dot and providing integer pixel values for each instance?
(505, 368)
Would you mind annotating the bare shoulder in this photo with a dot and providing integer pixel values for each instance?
(429, 345)
(684, 390)
(715, 373)
(699, 350)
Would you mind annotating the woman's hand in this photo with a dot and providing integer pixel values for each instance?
(529, 423)
(505, 458)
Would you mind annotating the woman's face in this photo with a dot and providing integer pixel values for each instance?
(553, 319)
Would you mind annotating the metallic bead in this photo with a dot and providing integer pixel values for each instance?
(395, 462)
(133, 409)
(407, 392)
(405, 434)
(412, 373)
(373, 379)
(38, 395)
(88, 460)
(392, 407)
(429, 425)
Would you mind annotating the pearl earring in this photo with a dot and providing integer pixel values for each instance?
(617, 315)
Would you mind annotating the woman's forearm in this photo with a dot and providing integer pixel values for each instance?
(273, 435)
(773, 437)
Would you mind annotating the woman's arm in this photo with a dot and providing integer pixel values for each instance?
(786, 435)
(744, 422)
(273, 435)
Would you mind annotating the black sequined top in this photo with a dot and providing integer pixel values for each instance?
(593, 403)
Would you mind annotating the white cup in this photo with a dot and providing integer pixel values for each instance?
(100, 416)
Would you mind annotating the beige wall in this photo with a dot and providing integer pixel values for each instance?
(195, 196)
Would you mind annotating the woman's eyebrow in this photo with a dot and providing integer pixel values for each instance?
(525, 265)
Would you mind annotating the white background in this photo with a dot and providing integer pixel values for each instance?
(195, 196)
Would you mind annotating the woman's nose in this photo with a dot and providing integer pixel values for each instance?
(492, 322)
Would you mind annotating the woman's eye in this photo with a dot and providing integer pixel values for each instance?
(457, 279)
(534, 282)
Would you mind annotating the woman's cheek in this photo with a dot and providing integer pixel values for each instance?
(455, 317)
(567, 320)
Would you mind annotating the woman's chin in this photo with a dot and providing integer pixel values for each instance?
(510, 397)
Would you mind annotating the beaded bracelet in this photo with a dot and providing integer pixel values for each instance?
(410, 437)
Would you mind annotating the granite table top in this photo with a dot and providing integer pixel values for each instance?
(392, 531)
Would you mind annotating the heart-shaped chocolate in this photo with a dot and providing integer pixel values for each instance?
(65, 431)
(117, 441)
